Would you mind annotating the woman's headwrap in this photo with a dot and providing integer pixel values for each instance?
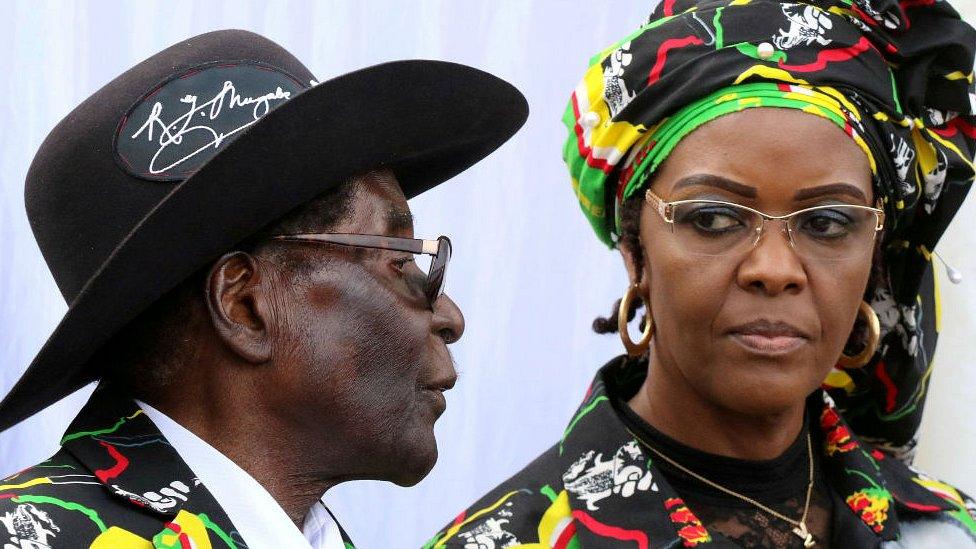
(896, 76)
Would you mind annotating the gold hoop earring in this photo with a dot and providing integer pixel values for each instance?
(861, 359)
(639, 348)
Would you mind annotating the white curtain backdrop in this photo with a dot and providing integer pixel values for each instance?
(527, 272)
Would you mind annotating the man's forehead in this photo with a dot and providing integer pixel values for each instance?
(398, 219)
(385, 201)
(378, 206)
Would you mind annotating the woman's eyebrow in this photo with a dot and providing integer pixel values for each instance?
(833, 188)
(718, 181)
(710, 180)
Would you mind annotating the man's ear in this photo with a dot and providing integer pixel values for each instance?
(237, 298)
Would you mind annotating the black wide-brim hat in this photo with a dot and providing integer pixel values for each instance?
(191, 151)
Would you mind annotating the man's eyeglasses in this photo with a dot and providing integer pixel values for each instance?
(715, 227)
(439, 250)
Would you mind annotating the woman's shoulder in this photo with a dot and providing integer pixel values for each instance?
(931, 512)
(516, 513)
(957, 522)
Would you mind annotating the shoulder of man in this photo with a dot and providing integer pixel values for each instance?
(524, 511)
(116, 483)
(59, 503)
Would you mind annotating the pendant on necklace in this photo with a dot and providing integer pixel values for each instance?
(806, 536)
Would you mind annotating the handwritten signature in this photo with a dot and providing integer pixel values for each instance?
(171, 134)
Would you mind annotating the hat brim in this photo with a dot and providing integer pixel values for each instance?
(425, 120)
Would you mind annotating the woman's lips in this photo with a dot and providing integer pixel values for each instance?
(765, 345)
(766, 337)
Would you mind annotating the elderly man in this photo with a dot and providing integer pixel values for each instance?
(235, 244)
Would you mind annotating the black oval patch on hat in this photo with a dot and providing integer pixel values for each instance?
(182, 123)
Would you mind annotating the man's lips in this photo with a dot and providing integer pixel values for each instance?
(441, 385)
(436, 390)
(769, 337)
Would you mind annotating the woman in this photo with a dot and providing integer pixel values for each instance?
(775, 177)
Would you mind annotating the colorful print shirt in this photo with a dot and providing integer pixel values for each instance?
(598, 488)
(116, 483)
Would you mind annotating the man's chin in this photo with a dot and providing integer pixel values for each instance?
(414, 465)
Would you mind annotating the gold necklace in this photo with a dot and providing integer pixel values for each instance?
(799, 526)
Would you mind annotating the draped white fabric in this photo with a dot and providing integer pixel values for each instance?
(527, 271)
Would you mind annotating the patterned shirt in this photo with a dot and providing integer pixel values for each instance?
(598, 487)
(116, 483)
(258, 517)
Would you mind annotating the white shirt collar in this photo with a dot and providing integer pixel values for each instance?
(259, 519)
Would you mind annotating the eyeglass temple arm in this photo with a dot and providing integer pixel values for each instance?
(662, 206)
(378, 242)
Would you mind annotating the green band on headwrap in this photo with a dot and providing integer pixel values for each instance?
(651, 152)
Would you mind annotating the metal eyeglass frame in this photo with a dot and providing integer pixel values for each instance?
(666, 210)
(440, 249)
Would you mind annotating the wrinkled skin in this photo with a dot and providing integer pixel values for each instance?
(361, 345)
(705, 388)
(318, 363)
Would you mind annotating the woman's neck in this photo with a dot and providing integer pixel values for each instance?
(671, 405)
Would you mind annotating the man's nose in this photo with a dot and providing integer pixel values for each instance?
(448, 321)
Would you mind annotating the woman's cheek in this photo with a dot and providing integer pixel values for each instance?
(838, 296)
(687, 294)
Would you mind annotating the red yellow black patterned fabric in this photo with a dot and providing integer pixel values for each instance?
(598, 488)
(116, 483)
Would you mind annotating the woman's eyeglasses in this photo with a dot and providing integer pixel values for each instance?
(714, 227)
(439, 250)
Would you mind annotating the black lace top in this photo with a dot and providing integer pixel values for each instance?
(779, 484)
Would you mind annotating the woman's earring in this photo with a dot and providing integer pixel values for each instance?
(874, 335)
(639, 348)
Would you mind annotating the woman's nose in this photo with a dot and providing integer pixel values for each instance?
(772, 266)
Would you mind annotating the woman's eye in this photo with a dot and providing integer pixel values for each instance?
(826, 224)
(712, 219)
